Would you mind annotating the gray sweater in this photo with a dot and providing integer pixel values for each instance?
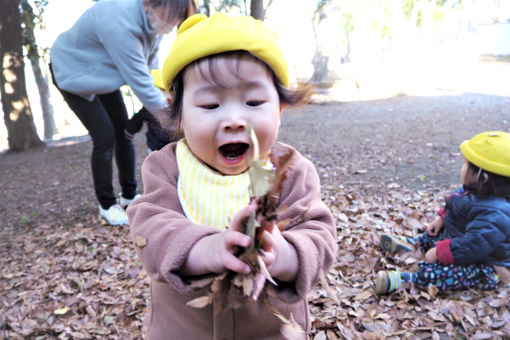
(111, 44)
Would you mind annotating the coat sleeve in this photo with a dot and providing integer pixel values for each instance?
(481, 238)
(311, 230)
(158, 219)
(126, 49)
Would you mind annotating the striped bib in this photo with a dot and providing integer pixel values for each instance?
(207, 196)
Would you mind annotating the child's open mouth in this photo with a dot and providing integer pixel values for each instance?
(234, 152)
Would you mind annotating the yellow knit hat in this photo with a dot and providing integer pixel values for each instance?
(200, 36)
(489, 151)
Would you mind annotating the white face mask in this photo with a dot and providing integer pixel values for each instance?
(160, 26)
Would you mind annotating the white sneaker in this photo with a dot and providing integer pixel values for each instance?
(114, 215)
(124, 202)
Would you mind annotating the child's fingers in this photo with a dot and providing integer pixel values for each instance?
(228, 259)
(235, 238)
(258, 284)
(233, 263)
(268, 258)
(242, 214)
(268, 241)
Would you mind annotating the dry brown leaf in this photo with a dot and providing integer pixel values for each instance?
(247, 285)
(200, 302)
(377, 335)
(264, 271)
(364, 295)
(61, 311)
(329, 290)
(482, 336)
(202, 282)
(320, 336)
(330, 335)
(140, 241)
(290, 328)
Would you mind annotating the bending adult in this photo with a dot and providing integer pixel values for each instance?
(115, 42)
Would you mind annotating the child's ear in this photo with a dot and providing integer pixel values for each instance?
(485, 177)
(168, 97)
(282, 107)
(179, 126)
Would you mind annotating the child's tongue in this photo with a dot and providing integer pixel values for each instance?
(234, 150)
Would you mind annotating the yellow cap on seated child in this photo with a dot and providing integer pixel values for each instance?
(200, 36)
(489, 151)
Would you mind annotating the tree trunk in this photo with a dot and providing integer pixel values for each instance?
(257, 9)
(21, 131)
(320, 67)
(347, 56)
(42, 82)
(44, 93)
(319, 61)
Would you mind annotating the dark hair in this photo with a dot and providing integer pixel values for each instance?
(292, 97)
(175, 9)
(496, 185)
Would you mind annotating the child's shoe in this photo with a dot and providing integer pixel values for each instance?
(387, 282)
(114, 215)
(124, 202)
(396, 243)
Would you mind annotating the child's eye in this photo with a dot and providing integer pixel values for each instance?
(254, 102)
(209, 106)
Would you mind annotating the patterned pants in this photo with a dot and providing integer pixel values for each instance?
(453, 276)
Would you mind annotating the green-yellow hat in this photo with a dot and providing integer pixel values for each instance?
(158, 80)
(200, 36)
(489, 151)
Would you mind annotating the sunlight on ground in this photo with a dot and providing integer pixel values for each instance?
(488, 78)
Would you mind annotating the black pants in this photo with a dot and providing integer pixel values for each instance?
(105, 118)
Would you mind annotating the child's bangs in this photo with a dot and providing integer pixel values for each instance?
(213, 68)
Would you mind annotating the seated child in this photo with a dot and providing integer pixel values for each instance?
(471, 235)
(226, 76)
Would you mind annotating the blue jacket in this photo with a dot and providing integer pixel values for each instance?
(479, 228)
(111, 44)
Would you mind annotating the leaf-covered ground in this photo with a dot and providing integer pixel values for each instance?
(385, 166)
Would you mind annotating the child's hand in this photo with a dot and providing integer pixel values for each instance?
(435, 227)
(280, 258)
(431, 255)
(220, 255)
(215, 253)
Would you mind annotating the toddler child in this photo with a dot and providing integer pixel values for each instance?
(471, 235)
(226, 76)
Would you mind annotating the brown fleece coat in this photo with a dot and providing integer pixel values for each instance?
(158, 217)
